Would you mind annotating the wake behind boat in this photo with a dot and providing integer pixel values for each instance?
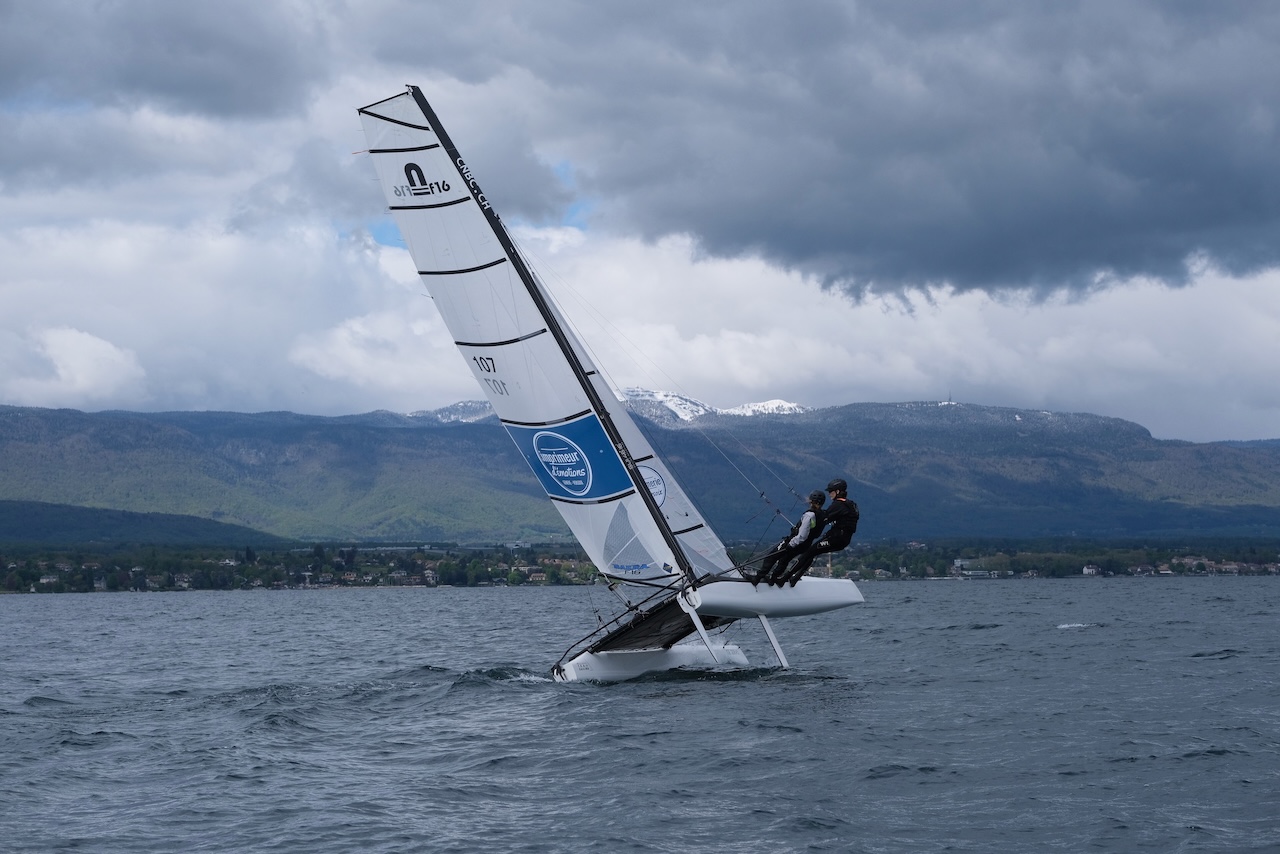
(617, 495)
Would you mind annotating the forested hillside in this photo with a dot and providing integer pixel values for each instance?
(917, 470)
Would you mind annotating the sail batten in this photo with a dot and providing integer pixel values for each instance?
(576, 415)
(404, 150)
(475, 269)
(394, 121)
(500, 343)
(556, 499)
(460, 201)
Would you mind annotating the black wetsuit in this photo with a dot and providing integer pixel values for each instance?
(842, 516)
(791, 545)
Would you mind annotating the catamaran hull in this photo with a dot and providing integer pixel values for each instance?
(809, 596)
(726, 599)
(620, 666)
(609, 484)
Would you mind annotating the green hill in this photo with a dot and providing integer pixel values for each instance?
(925, 470)
(917, 470)
(33, 522)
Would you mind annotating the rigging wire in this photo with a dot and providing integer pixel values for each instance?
(544, 266)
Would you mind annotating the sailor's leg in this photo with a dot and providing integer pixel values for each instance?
(802, 564)
(779, 575)
(775, 564)
(768, 565)
(822, 546)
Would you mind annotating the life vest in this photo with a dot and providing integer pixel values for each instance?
(814, 530)
(843, 516)
(819, 519)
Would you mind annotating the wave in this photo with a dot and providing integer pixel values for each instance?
(1221, 653)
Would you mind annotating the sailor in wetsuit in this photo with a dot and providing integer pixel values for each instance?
(803, 533)
(842, 520)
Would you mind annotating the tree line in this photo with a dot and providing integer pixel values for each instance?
(123, 568)
(157, 568)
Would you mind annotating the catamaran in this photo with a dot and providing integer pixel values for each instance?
(674, 578)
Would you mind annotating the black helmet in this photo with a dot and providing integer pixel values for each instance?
(838, 486)
(817, 497)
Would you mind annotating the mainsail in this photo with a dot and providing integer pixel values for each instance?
(620, 500)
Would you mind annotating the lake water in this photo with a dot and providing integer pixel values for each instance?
(1050, 715)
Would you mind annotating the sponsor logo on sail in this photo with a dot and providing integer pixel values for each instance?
(465, 171)
(640, 569)
(629, 568)
(653, 480)
(564, 461)
(418, 185)
(417, 180)
(573, 459)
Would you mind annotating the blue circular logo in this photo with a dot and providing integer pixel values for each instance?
(564, 461)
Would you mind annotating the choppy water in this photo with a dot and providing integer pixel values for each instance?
(1107, 715)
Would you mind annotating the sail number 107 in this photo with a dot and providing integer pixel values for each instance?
(487, 365)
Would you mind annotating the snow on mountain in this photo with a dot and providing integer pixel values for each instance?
(684, 408)
(467, 411)
(660, 405)
(688, 409)
(768, 407)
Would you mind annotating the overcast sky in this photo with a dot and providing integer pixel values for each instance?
(1073, 207)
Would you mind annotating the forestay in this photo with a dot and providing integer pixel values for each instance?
(617, 496)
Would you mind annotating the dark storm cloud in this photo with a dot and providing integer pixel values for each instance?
(98, 150)
(229, 58)
(891, 145)
(880, 146)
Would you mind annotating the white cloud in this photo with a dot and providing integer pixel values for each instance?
(78, 367)
(728, 332)
(404, 358)
(300, 318)
(189, 231)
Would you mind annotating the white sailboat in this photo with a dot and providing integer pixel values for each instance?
(617, 496)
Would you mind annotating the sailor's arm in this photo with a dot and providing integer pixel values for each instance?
(806, 525)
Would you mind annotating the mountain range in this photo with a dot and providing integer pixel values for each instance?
(918, 470)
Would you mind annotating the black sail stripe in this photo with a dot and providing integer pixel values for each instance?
(428, 207)
(592, 500)
(500, 343)
(381, 117)
(546, 423)
(687, 530)
(457, 272)
(368, 108)
(404, 150)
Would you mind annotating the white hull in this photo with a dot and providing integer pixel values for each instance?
(720, 599)
(620, 666)
(809, 596)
